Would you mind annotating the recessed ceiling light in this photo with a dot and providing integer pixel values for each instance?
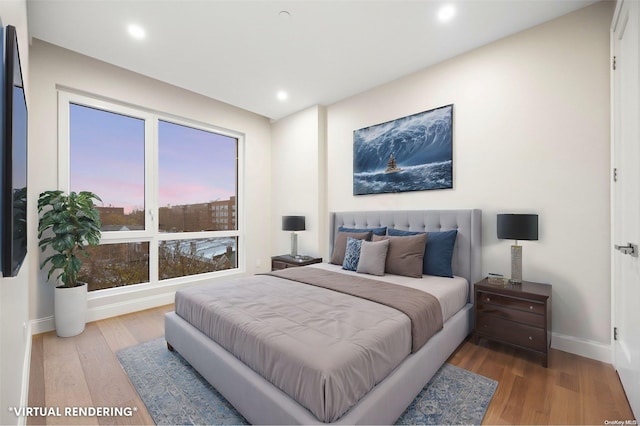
(136, 31)
(446, 12)
(282, 95)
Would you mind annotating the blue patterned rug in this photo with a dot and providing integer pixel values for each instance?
(175, 394)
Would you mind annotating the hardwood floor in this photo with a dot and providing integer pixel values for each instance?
(83, 371)
(573, 390)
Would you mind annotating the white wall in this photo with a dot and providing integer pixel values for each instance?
(531, 134)
(54, 67)
(15, 336)
(298, 168)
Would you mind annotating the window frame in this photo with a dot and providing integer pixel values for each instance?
(151, 232)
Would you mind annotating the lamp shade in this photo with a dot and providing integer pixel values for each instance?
(293, 223)
(518, 226)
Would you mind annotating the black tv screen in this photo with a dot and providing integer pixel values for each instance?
(14, 160)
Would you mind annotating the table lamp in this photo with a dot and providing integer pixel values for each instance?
(517, 227)
(293, 223)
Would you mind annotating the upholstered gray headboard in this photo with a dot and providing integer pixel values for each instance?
(467, 253)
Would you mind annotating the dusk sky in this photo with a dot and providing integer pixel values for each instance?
(107, 157)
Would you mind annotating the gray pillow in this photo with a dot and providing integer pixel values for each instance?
(372, 257)
(340, 244)
(405, 254)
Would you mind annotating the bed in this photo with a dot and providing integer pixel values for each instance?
(261, 402)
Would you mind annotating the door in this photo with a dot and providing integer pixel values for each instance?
(626, 198)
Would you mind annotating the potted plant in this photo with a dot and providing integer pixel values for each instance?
(68, 223)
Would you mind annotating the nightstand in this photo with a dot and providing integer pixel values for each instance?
(287, 261)
(516, 314)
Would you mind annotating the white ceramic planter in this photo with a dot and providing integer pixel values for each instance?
(70, 310)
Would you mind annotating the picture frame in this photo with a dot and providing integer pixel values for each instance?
(412, 153)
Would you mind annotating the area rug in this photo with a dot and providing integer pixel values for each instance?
(175, 394)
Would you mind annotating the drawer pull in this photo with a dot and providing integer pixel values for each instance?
(530, 307)
(530, 338)
(488, 299)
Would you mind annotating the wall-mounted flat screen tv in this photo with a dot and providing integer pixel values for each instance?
(14, 160)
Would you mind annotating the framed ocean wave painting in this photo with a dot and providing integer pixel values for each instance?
(413, 153)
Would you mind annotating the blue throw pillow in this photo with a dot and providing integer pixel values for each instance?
(438, 251)
(352, 254)
(374, 231)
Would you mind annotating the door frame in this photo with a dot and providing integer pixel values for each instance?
(615, 107)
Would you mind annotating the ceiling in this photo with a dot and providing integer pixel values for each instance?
(245, 52)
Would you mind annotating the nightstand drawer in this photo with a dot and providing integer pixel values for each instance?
(512, 332)
(286, 261)
(522, 317)
(275, 265)
(523, 305)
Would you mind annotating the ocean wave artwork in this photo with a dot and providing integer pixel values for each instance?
(412, 153)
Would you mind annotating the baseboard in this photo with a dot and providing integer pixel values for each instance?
(43, 325)
(128, 306)
(26, 369)
(583, 347)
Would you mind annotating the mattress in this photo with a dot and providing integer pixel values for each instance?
(323, 348)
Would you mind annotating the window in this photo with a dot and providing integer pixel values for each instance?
(116, 265)
(169, 191)
(180, 258)
(107, 157)
(197, 176)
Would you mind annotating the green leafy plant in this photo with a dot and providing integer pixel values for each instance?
(71, 222)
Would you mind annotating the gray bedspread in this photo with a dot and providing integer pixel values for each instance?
(423, 309)
(325, 349)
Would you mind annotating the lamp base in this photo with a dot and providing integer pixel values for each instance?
(516, 264)
(294, 244)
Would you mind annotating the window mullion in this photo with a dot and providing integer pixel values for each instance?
(151, 189)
